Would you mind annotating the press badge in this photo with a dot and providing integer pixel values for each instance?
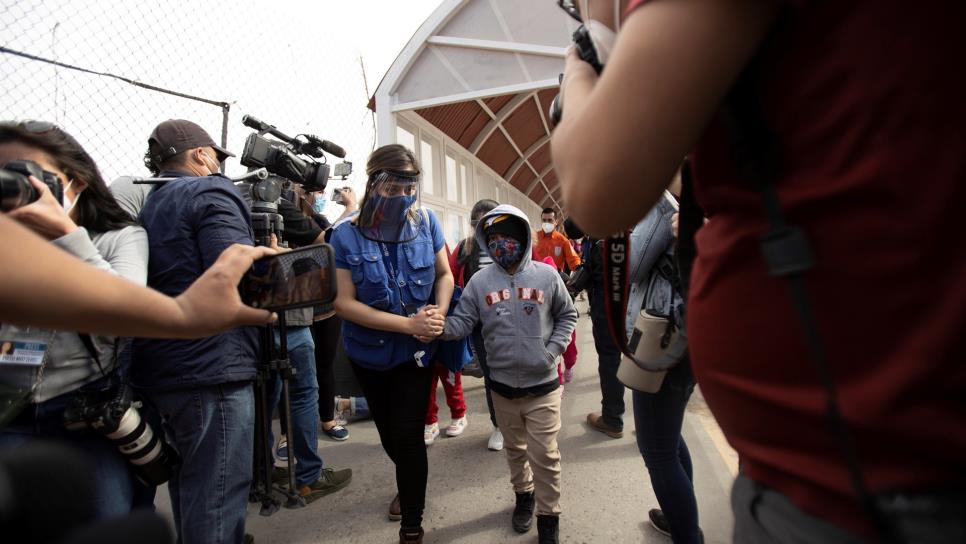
(24, 354)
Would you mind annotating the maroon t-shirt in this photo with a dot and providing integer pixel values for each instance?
(867, 103)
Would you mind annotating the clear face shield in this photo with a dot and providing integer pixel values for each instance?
(390, 212)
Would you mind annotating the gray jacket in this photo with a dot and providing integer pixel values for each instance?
(527, 317)
(69, 366)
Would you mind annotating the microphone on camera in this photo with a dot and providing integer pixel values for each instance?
(332, 149)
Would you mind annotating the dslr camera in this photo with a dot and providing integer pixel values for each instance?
(114, 414)
(17, 191)
(585, 50)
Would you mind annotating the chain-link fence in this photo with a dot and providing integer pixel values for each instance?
(108, 71)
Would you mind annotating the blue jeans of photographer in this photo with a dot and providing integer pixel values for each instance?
(212, 428)
(658, 418)
(116, 490)
(303, 427)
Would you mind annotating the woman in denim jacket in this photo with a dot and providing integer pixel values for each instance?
(394, 288)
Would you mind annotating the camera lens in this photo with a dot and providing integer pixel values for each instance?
(151, 456)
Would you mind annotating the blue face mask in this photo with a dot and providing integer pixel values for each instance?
(318, 205)
(392, 210)
(507, 252)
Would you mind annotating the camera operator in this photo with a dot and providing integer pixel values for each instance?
(63, 366)
(312, 479)
(845, 406)
(327, 327)
(202, 388)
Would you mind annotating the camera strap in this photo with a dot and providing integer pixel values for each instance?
(92, 350)
(615, 253)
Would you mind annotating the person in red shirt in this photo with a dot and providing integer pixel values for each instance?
(864, 111)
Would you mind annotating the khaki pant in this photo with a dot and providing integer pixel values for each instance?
(530, 426)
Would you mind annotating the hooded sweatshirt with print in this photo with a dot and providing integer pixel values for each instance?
(527, 317)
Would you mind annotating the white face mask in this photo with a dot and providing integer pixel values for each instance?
(212, 164)
(67, 202)
(547, 228)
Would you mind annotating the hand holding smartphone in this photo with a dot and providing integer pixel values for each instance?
(295, 279)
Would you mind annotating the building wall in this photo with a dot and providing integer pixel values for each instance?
(453, 179)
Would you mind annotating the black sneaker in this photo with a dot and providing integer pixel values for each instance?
(548, 529)
(523, 512)
(411, 535)
(329, 481)
(658, 521)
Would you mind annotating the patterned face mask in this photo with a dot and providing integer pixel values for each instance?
(505, 251)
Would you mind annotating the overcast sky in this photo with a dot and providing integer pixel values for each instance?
(294, 64)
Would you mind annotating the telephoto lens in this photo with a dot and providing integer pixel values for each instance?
(118, 419)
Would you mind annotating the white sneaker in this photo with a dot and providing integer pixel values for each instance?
(430, 433)
(496, 440)
(456, 427)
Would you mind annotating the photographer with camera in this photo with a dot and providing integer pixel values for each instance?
(806, 122)
(48, 373)
(202, 388)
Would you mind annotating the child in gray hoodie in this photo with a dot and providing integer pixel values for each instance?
(527, 317)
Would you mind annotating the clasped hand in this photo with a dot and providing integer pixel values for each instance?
(427, 323)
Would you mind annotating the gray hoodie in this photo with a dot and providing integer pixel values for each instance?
(527, 317)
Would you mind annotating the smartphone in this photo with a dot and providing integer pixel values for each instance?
(294, 279)
(337, 195)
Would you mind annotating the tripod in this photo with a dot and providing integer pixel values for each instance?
(266, 222)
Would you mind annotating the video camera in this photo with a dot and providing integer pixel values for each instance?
(282, 157)
(585, 50)
(17, 191)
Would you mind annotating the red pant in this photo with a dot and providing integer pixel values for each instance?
(454, 395)
(569, 356)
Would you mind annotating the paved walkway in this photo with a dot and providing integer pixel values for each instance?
(606, 491)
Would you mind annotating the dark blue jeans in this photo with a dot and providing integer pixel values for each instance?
(116, 490)
(658, 418)
(212, 428)
(303, 428)
(608, 360)
(480, 350)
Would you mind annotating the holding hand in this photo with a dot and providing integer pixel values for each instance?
(46, 216)
(427, 323)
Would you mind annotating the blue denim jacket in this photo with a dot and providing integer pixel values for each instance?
(189, 222)
(415, 266)
(650, 238)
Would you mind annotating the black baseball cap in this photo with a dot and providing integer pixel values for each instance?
(176, 135)
(506, 224)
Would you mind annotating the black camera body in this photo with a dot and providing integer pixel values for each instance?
(17, 191)
(279, 159)
(588, 53)
(114, 414)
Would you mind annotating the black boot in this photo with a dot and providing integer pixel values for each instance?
(411, 535)
(548, 529)
(523, 512)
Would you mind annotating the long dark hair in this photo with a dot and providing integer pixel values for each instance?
(97, 210)
(393, 157)
(469, 255)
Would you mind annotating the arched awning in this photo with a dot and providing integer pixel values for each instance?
(484, 72)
